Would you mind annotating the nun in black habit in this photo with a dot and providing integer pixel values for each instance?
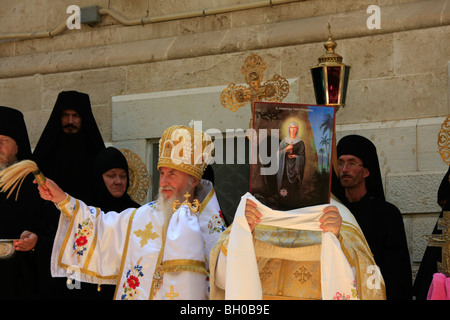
(19, 272)
(108, 159)
(380, 221)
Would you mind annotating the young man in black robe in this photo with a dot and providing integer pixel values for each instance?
(18, 218)
(380, 221)
(69, 144)
(65, 153)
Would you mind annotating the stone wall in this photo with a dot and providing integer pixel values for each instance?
(398, 93)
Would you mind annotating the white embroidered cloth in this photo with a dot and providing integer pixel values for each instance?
(184, 238)
(184, 248)
(243, 283)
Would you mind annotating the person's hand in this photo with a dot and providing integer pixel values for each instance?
(252, 214)
(27, 241)
(331, 220)
(51, 191)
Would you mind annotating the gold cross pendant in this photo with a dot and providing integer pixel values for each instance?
(194, 206)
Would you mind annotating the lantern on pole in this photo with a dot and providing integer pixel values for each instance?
(330, 76)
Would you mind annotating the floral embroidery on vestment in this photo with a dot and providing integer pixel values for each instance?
(217, 223)
(82, 236)
(343, 296)
(130, 286)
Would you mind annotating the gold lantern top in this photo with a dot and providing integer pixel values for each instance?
(330, 56)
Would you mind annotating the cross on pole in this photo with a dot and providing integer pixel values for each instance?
(443, 241)
(236, 96)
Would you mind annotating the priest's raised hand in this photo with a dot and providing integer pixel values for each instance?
(51, 191)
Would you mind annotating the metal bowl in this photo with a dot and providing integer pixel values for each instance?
(7, 248)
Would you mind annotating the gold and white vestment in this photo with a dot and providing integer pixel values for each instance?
(288, 257)
(126, 248)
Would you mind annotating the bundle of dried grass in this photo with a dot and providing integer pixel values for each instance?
(13, 176)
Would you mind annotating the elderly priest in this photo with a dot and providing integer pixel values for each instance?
(151, 252)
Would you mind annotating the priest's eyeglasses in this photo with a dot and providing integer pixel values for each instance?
(349, 164)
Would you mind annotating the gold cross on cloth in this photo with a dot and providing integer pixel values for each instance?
(172, 294)
(443, 241)
(146, 234)
(302, 274)
(236, 96)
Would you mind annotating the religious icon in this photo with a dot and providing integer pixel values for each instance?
(291, 154)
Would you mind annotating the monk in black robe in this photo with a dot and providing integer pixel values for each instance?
(69, 144)
(66, 153)
(19, 218)
(361, 191)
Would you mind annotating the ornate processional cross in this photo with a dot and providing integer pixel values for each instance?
(236, 96)
(443, 241)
